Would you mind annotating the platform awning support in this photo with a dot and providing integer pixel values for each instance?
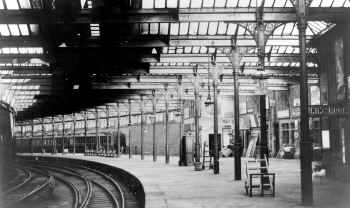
(129, 102)
(305, 140)
(154, 126)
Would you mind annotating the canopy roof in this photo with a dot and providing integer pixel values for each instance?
(63, 57)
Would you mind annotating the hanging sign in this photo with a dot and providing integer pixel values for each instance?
(327, 110)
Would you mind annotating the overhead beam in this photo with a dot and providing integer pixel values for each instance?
(223, 58)
(270, 14)
(87, 16)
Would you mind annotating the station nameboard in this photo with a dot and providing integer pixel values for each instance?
(327, 110)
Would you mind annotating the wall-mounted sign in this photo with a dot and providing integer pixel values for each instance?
(327, 110)
(283, 114)
(325, 139)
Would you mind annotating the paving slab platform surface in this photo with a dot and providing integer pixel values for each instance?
(172, 186)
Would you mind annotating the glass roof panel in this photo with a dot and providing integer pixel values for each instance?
(231, 29)
(12, 4)
(243, 3)
(347, 3)
(208, 3)
(24, 4)
(203, 50)
(269, 3)
(220, 3)
(153, 28)
(184, 3)
(193, 28)
(232, 3)
(4, 31)
(1, 5)
(144, 28)
(34, 28)
(184, 28)
(174, 29)
(338, 3)
(213, 26)
(222, 28)
(326, 3)
(164, 28)
(24, 29)
(280, 3)
(147, 4)
(172, 3)
(203, 28)
(195, 49)
(188, 49)
(315, 3)
(159, 3)
(196, 4)
(14, 30)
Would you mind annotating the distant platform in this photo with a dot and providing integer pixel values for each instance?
(172, 186)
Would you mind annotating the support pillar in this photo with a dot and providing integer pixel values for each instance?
(216, 146)
(129, 101)
(166, 128)
(181, 112)
(85, 131)
(118, 131)
(63, 132)
(107, 124)
(238, 140)
(196, 116)
(154, 126)
(42, 135)
(142, 131)
(305, 140)
(32, 136)
(54, 150)
(263, 144)
(97, 130)
(74, 123)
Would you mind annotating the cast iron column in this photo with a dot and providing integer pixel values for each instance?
(166, 128)
(181, 129)
(63, 125)
(74, 133)
(238, 140)
(129, 128)
(85, 131)
(107, 125)
(97, 130)
(196, 116)
(263, 148)
(118, 131)
(53, 136)
(142, 131)
(305, 140)
(32, 136)
(42, 135)
(216, 146)
(154, 126)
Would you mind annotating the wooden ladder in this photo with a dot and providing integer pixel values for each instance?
(207, 159)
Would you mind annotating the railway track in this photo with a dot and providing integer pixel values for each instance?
(92, 188)
(22, 177)
(38, 181)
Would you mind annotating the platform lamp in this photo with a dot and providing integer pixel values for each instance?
(215, 72)
(196, 85)
(235, 59)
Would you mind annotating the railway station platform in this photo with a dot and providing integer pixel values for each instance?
(171, 186)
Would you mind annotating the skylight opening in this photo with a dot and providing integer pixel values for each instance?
(213, 26)
(193, 28)
(159, 3)
(203, 28)
(196, 4)
(147, 4)
(24, 4)
(34, 28)
(12, 4)
(184, 3)
(153, 28)
(232, 3)
(172, 3)
(174, 29)
(184, 28)
(164, 28)
(220, 3)
(208, 3)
